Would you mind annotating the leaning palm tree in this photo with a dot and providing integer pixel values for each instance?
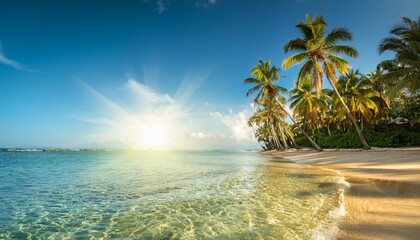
(319, 52)
(281, 116)
(265, 120)
(269, 112)
(264, 79)
(404, 69)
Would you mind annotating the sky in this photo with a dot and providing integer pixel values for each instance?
(157, 73)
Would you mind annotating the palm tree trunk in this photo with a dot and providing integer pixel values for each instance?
(292, 139)
(361, 122)
(353, 120)
(275, 138)
(282, 136)
(270, 144)
(294, 122)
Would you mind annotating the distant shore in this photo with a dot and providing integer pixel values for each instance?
(383, 201)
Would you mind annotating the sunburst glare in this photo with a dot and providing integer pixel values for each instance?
(153, 120)
(154, 136)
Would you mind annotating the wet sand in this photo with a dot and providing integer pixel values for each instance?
(383, 201)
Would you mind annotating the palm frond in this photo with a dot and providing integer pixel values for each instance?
(337, 34)
(343, 50)
(329, 69)
(296, 44)
(304, 29)
(306, 69)
(254, 89)
(341, 64)
(294, 59)
(391, 44)
(251, 81)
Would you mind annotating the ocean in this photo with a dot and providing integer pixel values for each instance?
(165, 195)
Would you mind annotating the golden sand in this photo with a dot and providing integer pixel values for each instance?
(383, 201)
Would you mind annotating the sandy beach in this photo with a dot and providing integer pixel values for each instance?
(383, 201)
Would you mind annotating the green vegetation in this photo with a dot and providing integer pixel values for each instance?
(268, 97)
(392, 136)
(381, 107)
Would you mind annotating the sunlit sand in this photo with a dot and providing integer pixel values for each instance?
(384, 199)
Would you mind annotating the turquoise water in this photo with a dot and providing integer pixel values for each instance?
(164, 195)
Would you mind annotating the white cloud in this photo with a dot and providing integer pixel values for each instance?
(144, 92)
(207, 135)
(237, 124)
(205, 3)
(7, 61)
(197, 135)
(162, 5)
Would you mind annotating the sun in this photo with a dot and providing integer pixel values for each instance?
(154, 136)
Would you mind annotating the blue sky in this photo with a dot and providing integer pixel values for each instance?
(100, 73)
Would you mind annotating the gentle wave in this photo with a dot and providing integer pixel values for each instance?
(330, 231)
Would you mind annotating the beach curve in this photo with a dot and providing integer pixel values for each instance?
(383, 201)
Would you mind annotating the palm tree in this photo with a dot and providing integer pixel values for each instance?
(404, 69)
(281, 116)
(268, 116)
(259, 120)
(256, 121)
(320, 55)
(265, 75)
(378, 84)
(307, 104)
(268, 120)
(358, 94)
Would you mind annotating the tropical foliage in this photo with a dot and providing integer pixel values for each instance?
(359, 96)
(320, 52)
(385, 103)
(403, 72)
(269, 98)
(307, 104)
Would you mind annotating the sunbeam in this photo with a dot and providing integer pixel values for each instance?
(154, 120)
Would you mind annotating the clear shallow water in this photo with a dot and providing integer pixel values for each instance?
(164, 195)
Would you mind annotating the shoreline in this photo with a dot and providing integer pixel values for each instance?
(383, 201)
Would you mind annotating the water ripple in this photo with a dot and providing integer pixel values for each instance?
(169, 195)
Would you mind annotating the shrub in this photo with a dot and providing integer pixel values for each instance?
(383, 136)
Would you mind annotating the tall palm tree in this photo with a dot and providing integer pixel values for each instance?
(307, 104)
(319, 52)
(264, 78)
(358, 94)
(404, 69)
